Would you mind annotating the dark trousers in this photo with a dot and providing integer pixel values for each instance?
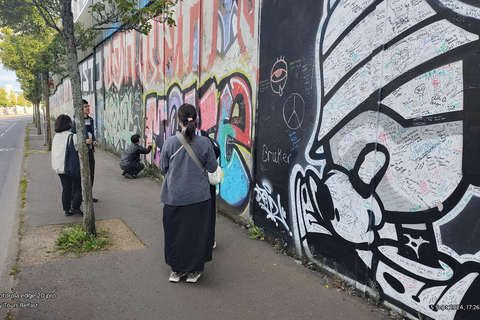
(69, 184)
(213, 195)
(133, 170)
(91, 159)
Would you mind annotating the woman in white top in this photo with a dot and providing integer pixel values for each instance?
(63, 124)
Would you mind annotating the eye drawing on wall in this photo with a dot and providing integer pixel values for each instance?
(294, 111)
(389, 183)
(279, 75)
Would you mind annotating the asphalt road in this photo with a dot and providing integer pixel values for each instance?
(12, 133)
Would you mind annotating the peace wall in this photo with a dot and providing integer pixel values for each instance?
(348, 130)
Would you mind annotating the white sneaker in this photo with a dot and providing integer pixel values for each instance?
(175, 276)
(193, 276)
(214, 244)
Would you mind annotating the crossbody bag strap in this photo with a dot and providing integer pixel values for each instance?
(190, 151)
(173, 155)
(70, 139)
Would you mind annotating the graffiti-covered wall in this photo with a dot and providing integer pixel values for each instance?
(367, 145)
(348, 129)
(61, 101)
(209, 60)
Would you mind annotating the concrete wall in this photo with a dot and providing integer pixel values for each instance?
(16, 110)
(348, 129)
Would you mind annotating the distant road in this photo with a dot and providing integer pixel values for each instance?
(12, 133)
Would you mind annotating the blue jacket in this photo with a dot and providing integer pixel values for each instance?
(89, 129)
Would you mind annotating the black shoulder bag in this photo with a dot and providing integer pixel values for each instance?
(72, 161)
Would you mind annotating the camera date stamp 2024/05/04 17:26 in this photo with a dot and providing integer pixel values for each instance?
(31, 297)
(440, 307)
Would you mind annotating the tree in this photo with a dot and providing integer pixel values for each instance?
(4, 101)
(76, 37)
(12, 98)
(31, 87)
(15, 53)
(36, 53)
(21, 100)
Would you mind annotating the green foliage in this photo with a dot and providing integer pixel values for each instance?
(30, 55)
(256, 232)
(12, 98)
(55, 18)
(4, 101)
(130, 16)
(74, 239)
(27, 137)
(21, 100)
(13, 13)
(15, 270)
(23, 192)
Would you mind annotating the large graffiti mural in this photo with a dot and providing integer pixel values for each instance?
(348, 129)
(144, 80)
(386, 189)
(225, 113)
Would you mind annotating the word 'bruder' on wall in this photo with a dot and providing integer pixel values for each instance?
(353, 132)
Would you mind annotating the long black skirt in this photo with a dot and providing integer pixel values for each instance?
(188, 236)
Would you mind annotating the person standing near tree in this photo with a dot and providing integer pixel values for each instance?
(186, 197)
(90, 139)
(70, 186)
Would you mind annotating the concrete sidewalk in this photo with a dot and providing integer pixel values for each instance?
(245, 280)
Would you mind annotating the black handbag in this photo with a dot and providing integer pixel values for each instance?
(72, 161)
(216, 147)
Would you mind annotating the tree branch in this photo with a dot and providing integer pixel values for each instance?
(49, 20)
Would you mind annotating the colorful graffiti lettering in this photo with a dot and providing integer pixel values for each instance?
(228, 120)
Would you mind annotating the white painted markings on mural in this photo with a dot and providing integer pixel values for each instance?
(415, 180)
(462, 8)
(368, 35)
(294, 111)
(345, 13)
(279, 76)
(401, 57)
(373, 162)
(437, 91)
(274, 209)
(472, 192)
(414, 286)
(352, 222)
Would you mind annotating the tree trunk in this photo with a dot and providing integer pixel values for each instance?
(69, 37)
(35, 111)
(39, 120)
(48, 129)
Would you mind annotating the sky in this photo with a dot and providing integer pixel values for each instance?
(8, 77)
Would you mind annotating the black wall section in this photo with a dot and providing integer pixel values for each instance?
(286, 112)
(366, 154)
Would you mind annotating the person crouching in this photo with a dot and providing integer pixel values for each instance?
(130, 161)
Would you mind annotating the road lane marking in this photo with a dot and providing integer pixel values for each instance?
(1, 135)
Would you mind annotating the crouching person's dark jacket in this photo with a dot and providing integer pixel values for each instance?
(131, 156)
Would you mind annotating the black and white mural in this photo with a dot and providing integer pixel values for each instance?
(384, 181)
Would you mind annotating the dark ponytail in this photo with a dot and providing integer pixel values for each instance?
(188, 116)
